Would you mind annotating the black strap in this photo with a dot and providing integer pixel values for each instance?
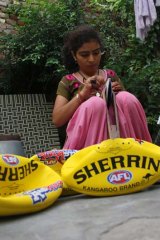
(109, 93)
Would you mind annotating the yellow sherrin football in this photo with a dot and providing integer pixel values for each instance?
(113, 167)
(26, 185)
(55, 159)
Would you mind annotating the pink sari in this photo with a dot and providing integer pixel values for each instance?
(88, 125)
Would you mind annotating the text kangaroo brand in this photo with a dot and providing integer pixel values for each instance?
(17, 173)
(117, 162)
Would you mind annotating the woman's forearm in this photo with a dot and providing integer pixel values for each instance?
(62, 114)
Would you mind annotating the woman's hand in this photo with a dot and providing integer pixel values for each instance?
(116, 87)
(64, 109)
(92, 85)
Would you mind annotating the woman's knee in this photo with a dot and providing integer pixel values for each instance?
(95, 102)
(125, 97)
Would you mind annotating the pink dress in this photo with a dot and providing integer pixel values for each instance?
(88, 124)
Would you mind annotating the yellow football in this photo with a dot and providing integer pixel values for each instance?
(55, 159)
(113, 167)
(26, 185)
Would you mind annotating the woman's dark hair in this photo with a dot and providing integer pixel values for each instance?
(74, 40)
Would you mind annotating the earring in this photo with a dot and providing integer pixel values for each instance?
(74, 57)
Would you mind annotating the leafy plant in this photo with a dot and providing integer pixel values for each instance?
(35, 51)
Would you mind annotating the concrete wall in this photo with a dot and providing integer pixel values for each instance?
(6, 24)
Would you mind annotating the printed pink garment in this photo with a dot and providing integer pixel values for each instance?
(88, 125)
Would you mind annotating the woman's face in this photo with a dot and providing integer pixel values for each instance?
(88, 57)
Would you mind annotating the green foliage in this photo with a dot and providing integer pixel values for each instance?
(34, 53)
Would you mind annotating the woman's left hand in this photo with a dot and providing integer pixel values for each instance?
(116, 86)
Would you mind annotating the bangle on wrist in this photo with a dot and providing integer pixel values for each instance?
(79, 97)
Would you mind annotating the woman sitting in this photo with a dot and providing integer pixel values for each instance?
(79, 102)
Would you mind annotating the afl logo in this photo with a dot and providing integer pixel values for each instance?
(120, 177)
(10, 160)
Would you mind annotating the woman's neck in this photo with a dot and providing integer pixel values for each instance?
(87, 75)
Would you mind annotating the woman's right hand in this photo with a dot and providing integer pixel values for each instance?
(92, 85)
